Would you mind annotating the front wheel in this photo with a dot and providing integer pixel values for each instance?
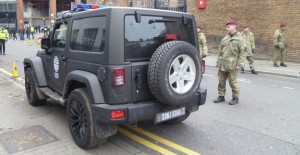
(30, 89)
(81, 120)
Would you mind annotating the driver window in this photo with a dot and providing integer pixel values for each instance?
(59, 37)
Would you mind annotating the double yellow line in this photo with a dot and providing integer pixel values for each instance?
(156, 138)
(141, 140)
(9, 74)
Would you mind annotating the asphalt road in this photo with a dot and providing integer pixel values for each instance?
(267, 120)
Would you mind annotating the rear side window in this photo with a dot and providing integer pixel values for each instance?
(88, 34)
(142, 39)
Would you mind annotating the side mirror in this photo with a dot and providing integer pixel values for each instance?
(45, 43)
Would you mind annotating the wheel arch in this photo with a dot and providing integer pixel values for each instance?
(36, 64)
(79, 79)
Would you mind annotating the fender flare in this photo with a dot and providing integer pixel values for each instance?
(91, 82)
(36, 65)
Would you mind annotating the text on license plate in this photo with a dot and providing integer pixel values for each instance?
(169, 115)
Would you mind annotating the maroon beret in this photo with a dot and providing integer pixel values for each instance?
(198, 26)
(282, 24)
(245, 26)
(231, 22)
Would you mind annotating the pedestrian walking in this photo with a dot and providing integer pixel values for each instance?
(14, 31)
(21, 32)
(250, 45)
(231, 57)
(27, 31)
(3, 38)
(280, 45)
(32, 31)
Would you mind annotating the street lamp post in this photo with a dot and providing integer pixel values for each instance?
(7, 20)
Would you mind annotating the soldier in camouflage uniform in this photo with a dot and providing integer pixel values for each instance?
(231, 58)
(202, 43)
(280, 45)
(250, 44)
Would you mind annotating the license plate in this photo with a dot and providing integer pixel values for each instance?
(164, 116)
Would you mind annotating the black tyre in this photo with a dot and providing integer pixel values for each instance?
(30, 88)
(179, 119)
(174, 72)
(81, 120)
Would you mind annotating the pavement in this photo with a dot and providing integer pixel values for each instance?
(263, 66)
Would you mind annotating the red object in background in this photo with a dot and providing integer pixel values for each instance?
(201, 4)
(203, 66)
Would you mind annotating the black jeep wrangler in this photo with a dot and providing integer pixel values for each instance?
(118, 65)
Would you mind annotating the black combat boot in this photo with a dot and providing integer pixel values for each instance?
(253, 71)
(283, 65)
(234, 101)
(275, 65)
(219, 99)
(242, 71)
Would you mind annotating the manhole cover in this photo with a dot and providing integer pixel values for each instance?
(26, 138)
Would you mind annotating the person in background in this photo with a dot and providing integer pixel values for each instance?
(280, 45)
(3, 38)
(250, 44)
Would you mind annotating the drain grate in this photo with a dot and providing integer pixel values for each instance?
(26, 138)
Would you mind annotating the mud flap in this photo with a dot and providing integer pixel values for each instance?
(103, 130)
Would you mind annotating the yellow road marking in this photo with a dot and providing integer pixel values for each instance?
(145, 142)
(164, 141)
(9, 74)
(6, 72)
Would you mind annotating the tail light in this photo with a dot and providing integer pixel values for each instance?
(117, 114)
(118, 77)
(171, 36)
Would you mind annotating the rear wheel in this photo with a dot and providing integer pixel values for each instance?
(81, 120)
(30, 88)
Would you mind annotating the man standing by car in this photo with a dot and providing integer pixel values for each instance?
(231, 57)
(250, 44)
(3, 37)
(280, 45)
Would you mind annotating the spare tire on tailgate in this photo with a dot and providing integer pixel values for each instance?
(174, 72)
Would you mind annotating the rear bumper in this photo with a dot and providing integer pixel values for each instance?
(135, 112)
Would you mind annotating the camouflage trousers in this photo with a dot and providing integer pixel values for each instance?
(232, 79)
(251, 62)
(279, 55)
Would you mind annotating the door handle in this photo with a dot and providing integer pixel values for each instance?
(138, 79)
(63, 58)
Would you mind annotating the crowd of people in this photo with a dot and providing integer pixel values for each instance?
(234, 49)
(28, 31)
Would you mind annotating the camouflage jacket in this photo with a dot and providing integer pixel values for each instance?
(249, 41)
(279, 39)
(232, 52)
(202, 45)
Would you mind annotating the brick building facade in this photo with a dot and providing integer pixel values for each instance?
(262, 16)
